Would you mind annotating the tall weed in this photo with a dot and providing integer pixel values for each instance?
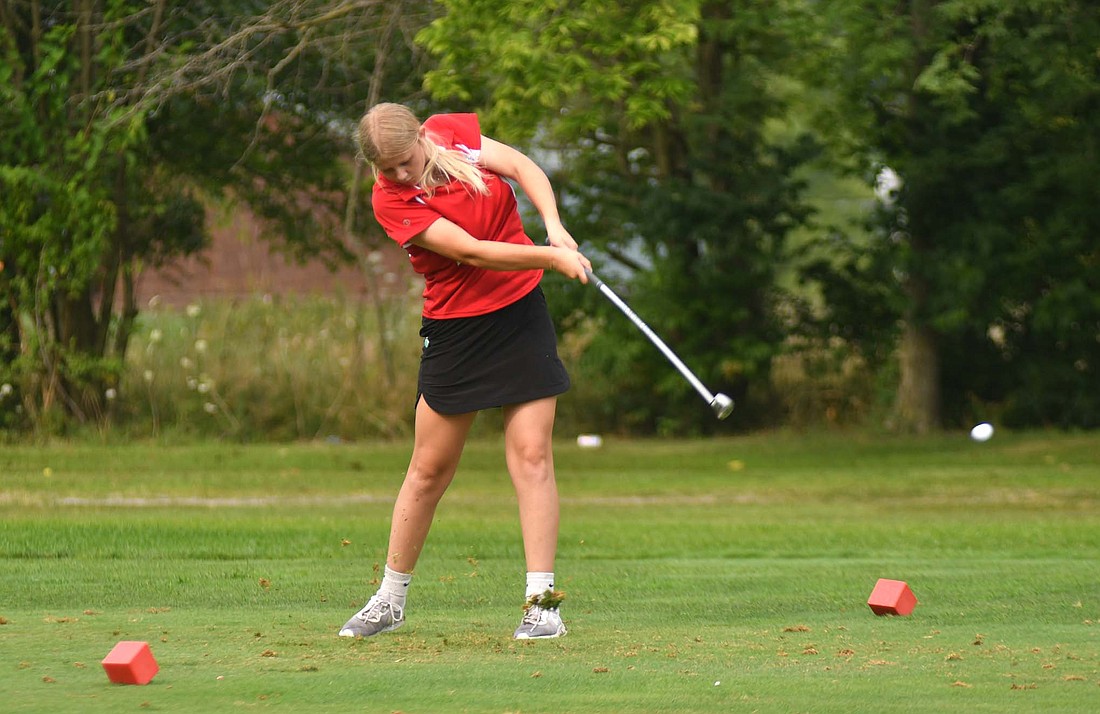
(272, 368)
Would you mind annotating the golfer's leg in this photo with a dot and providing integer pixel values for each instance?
(528, 430)
(437, 447)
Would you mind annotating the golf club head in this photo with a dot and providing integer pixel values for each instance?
(722, 405)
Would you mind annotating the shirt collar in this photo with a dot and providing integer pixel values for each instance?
(401, 190)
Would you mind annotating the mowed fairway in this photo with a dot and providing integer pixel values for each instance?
(725, 575)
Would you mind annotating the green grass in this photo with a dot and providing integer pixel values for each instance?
(702, 576)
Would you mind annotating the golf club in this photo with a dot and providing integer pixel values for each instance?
(720, 403)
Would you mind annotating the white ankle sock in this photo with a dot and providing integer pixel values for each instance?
(538, 583)
(394, 585)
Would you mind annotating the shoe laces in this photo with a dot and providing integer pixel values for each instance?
(534, 615)
(376, 607)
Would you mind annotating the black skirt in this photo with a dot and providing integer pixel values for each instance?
(508, 356)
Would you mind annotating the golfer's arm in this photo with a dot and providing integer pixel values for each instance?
(514, 164)
(451, 241)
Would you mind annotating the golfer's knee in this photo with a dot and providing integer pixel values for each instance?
(531, 463)
(428, 479)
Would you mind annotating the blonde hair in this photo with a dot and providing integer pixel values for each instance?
(389, 131)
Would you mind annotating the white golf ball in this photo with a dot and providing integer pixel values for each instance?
(982, 432)
(589, 441)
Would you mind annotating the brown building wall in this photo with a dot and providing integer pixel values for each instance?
(240, 263)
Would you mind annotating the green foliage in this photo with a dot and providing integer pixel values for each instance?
(122, 121)
(572, 61)
(987, 111)
(67, 232)
(54, 230)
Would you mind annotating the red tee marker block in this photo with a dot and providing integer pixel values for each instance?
(130, 663)
(892, 597)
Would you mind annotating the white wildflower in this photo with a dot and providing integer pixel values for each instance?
(148, 375)
(186, 363)
(155, 335)
(200, 346)
(111, 394)
(5, 390)
(193, 310)
(210, 408)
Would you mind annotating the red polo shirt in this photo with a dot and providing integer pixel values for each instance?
(452, 289)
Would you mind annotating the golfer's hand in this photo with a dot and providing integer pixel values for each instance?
(570, 263)
(556, 235)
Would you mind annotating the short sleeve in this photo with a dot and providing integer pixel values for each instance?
(456, 131)
(401, 218)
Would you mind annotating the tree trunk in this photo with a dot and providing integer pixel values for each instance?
(77, 339)
(10, 347)
(917, 406)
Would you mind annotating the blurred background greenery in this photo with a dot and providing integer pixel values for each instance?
(841, 213)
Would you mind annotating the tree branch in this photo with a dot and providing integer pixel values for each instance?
(224, 58)
(271, 75)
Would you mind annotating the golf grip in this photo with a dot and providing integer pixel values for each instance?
(676, 361)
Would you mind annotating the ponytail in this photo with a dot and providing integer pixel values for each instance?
(445, 165)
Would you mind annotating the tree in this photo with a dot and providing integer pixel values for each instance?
(987, 252)
(121, 120)
(659, 111)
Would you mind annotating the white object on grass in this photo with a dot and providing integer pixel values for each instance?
(982, 432)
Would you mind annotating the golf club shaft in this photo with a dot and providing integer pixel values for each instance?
(676, 361)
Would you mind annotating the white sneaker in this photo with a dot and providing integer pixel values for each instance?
(378, 615)
(540, 623)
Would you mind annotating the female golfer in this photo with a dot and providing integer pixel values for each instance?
(488, 339)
